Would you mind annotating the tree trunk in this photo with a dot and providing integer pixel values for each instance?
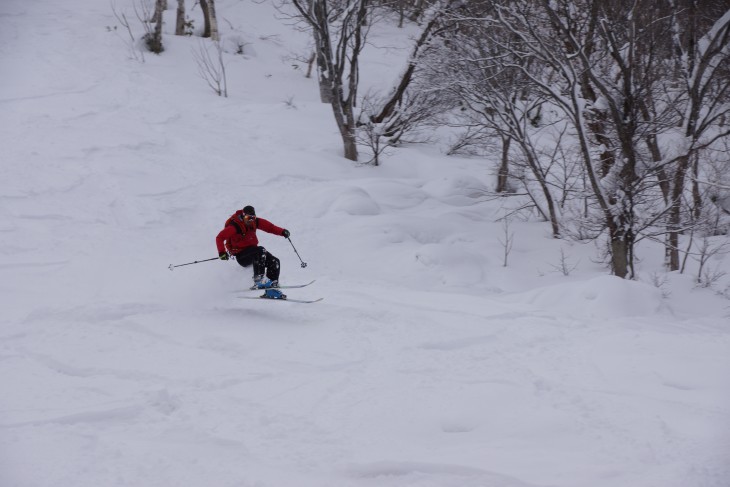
(325, 83)
(206, 18)
(310, 63)
(503, 174)
(154, 41)
(652, 143)
(180, 23)
(696, 193)
(532, 161)
(213, 21)
(674, 222)
(619, 255)
(347, 132)
(350, 145)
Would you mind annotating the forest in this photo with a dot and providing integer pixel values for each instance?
(611, 117)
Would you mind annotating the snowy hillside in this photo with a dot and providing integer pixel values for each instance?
(428, 364)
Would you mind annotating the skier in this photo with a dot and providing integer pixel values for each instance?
(238, 239)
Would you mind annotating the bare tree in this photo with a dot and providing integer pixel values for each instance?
(564, 266)
(635, 91)
(479, 68)
(137, 54)
(705, 100)
(507, 240)
(339, 30)
(212, 68)
(595, 64)
(706, 277)
(430, 29)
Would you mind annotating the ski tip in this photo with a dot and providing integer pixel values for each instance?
(306, 301)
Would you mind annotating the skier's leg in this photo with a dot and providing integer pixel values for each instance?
(265, 263)
(250, 256)
(260, 263)
(272, 267)
(247, 256)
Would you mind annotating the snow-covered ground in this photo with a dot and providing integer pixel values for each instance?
(428, 363)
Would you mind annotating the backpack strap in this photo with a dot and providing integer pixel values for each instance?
(237, 222)
(238, 225)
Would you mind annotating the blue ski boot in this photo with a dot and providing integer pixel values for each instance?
(260, 282)
(273, 294)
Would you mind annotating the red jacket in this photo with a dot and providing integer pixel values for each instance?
(237, 236)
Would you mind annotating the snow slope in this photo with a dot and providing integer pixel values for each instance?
(427, 364)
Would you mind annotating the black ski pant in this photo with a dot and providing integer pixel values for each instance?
(262, 261)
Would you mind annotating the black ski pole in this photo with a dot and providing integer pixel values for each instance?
(190, 263)
(304, 264)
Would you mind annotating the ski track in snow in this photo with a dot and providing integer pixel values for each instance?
(322, 398)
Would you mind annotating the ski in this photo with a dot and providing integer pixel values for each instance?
(291, 300)
(292, 286)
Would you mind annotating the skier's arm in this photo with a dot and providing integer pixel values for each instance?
(269, 227)
(226, 234)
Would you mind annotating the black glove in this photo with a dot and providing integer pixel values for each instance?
(285, 233)
(223, 256)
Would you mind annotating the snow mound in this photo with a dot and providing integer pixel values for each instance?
(603, 297)
(453, 268)
(457, 191)
(396, 194)
(355, 201)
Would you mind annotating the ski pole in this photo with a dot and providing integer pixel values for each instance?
(304, 264)
(190, 263)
